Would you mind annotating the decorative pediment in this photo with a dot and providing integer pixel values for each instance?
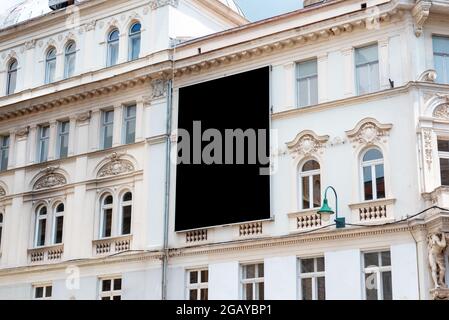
(368, 131)
(50, 179)
(115, 166)
(306, 143)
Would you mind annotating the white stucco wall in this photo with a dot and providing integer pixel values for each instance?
(224, 281)
(280, 278)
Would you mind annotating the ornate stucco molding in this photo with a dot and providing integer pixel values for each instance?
(158, 88)
(115, 166)
(368, 131)
(2, 192)
(420, 13)
(428, 76)
(428, 147)
(50, 179)
(306, 143)
(154, 4)
(442, 112)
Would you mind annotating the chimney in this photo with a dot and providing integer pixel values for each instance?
(59, 4)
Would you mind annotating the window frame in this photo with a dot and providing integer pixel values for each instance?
(56, 215)
(61, 134)
(103, 208)
(308, 174)
(378, 270)
(369, 64)
(311, 275)
(68, 54)
(45, 287)
(104, 126)
(124, 204)
(442, 155)
(38, 218)
(199, 286)
(127, 120)
(111, 293)
(131, 37)
(43, 139)
(50, 65)
(254, 281)
(307, 78)
(372, 164)
(4, 149)
(12, 63)
(2, 223)
(110, 43)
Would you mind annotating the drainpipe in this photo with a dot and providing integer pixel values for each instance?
(167, 189)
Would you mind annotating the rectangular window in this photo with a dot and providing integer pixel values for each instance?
(367, 69)
(307, 83)
(443, 154)
(4, 153)
(107, 128)
(42, 292)
(197, 284)
(129, 124)
(111, 289)
(377, 275)
(59, 225)
(312, 279)
(441, 58)
(63, 139)
(253, 282)
(44, 136)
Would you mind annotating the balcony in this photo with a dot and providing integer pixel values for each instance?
(48, 254)
(374, 211)
(305, 220)
(111, 245)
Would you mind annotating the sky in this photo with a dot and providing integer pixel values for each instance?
(253, 9)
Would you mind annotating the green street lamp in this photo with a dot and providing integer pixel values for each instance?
(326, 212)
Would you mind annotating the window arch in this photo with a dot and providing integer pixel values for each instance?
(310, 185)
(41, 226)
(70, 59)
(107, 203)
(11, 78)
(1, 228)
(134, 41)
(58, 223)
(113, 47)
(50, 65)
(373, 174)
(126, 213)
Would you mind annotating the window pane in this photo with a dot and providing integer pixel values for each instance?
(380, 181)
(193, 277)
(443, 145)
(130, 131)
(440, 63)
(48, 291)
(260, 291)
(108, 200)
(371, 286)
(307, 68)
(107, 223)
(204, 276)
(117, 298)
(310, 166)
(316, 191)
(372, 154)
(305, 193)
(113, 53)
(303, 92)
(107, 136)
(321, 284)
(128, 196)
(307, 265)
(117, 284)
(69, 68)
(441, 44)
(41, 232)
(248, 291)
(313, 90)
(250, 271)
(135, 47)
(106, 285)
(320, 264)
(386, 258)
(374, 77)
(367, 183)
(12, 78)
(126, 220)
(371, 259)
(366, 54)
(1, 230)
(363, 79)
(39, 292)
(306, 289)
(59, 229)
(204, 294)
(444, 171)
(193, 295)
(260, 270)
(386, 285)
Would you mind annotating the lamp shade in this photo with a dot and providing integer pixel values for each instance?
(325, 211)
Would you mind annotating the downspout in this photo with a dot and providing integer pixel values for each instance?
(167, 188)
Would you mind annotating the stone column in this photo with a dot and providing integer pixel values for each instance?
(123, 47)
(59, 72)
(20, 157)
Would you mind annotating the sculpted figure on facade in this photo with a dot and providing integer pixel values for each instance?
(436, 243)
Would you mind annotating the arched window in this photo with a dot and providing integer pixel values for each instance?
(11, 79)
(125, 213)
(134, 41)
(1, 228)
(70, 59)
(373, 175)
(310, 185)
(113, 47)
(41, 226)
(58, 225)
(50, 65)
(106, 216)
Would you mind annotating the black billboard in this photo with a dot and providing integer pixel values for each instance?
(221, 125)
